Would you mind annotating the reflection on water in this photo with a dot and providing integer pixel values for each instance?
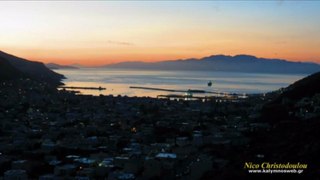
(114, 89)
(118, 82)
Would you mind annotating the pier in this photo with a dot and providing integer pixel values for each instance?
(202, 98)
(189, 91)
(89, 88)
(173, 90)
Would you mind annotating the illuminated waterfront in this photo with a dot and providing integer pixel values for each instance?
(118, 82)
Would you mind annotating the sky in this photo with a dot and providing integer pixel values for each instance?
(105, 32)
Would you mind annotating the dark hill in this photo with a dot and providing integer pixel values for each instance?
(286, 105)
(306, 87)
(35, 70)
(294, 117)
(8, 72)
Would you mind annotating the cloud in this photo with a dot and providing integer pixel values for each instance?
(120, 43)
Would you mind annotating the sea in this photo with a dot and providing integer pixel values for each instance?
(118, 81)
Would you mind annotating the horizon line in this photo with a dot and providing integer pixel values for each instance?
(183, 59)
(162, 60)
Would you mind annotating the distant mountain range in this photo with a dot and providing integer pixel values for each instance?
(238, 63)
(15, 67)
(57, 66)
(12, 67)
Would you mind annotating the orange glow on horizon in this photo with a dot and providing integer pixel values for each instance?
(92, 59)
(105, 32)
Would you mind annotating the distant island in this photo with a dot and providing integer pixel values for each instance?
(238, 63)
(58, 66)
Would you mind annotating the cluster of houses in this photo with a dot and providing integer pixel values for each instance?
(59, 135)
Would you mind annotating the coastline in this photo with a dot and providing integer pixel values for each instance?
(91, 125)
(59, 133)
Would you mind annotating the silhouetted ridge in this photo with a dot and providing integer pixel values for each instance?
(285, 105)
(7, 71)
(243, 56)
(306, 87)
(238, 63)
(35, 70)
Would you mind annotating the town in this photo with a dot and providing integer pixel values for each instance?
(46, 133)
